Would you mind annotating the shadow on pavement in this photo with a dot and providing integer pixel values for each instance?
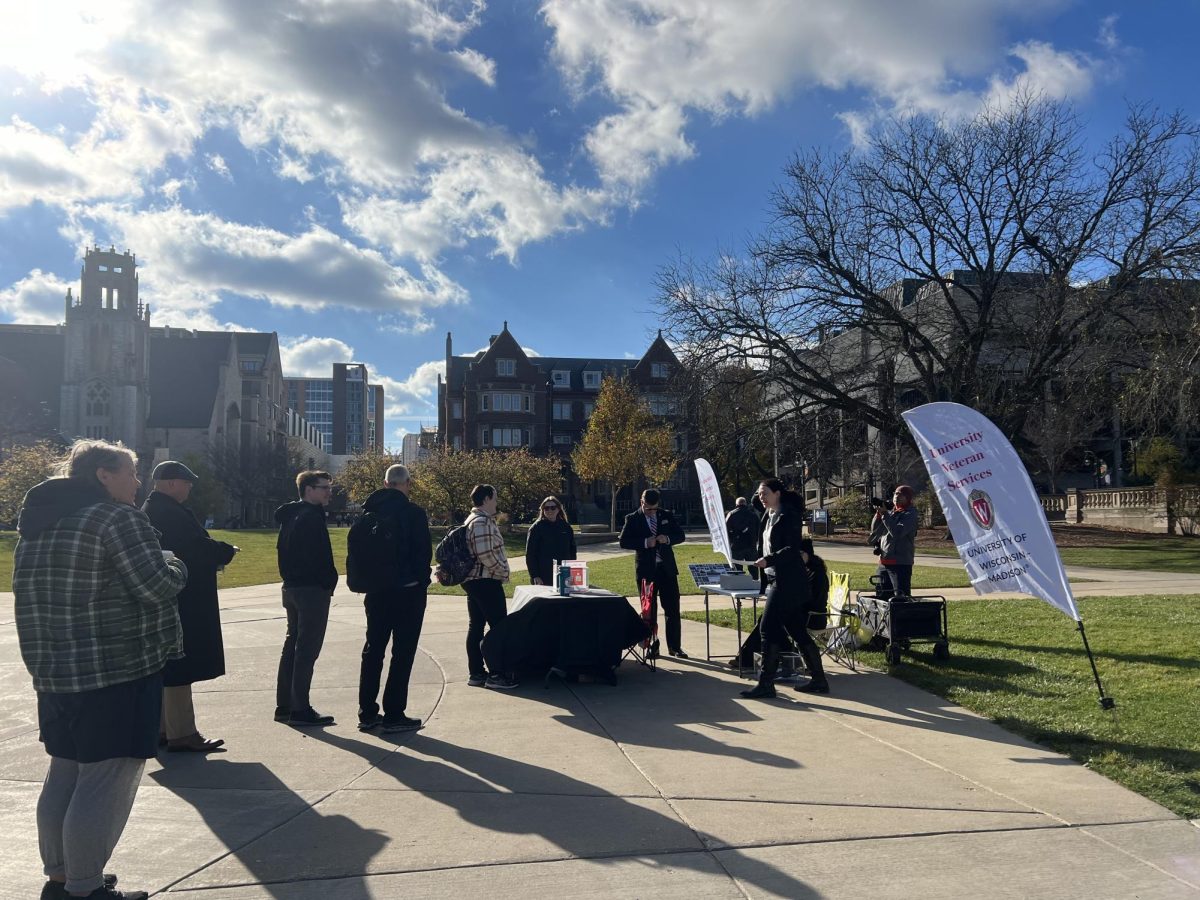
(472, 772)
(355, 845)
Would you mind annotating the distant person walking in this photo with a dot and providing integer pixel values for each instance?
(309, 578)
(96, 621)
(397, 580)
(199, 613)
(550, 539)
(652, 532)
(742, 527)
(894, 532)
(485, 586)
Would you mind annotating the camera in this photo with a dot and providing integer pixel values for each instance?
(877, 502)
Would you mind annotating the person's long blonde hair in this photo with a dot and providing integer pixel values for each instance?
(562, 510)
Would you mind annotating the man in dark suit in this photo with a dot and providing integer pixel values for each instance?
(652, 532)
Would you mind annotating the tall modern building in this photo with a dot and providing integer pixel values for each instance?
(346, 408)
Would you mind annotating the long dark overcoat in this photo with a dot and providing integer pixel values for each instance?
(182, 533)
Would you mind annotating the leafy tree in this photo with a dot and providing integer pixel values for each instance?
(22, 467)
(363, 473)
(733, 423)
(524, 480)
(624, 442)
(442, 482)
(1163, 461)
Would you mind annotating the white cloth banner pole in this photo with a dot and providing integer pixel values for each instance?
(990, 504)
(714, 512)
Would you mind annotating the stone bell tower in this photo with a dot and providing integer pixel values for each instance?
(106, 364)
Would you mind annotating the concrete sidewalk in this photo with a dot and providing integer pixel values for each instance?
(669, 785)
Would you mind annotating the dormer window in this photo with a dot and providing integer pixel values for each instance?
(658, 370)
(591, 380)
(506, 367)
(561, 378)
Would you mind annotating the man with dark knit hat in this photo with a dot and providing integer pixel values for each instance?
(199, 615)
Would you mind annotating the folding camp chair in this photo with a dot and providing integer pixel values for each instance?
(838, 639)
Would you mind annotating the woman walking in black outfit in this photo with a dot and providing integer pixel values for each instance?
(786, 583)
(550, 538)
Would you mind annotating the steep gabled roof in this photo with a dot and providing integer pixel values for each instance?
(185, 375)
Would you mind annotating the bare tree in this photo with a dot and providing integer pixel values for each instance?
(972, 261)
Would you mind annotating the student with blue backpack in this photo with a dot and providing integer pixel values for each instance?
(388, 558)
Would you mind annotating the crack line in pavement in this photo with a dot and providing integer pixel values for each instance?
(662, 794)
(841, 720)
(308, 807)
(654, 854)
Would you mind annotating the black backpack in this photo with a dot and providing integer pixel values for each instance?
(373, 559)
(455, 561)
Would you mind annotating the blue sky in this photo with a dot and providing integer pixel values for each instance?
(363, 176)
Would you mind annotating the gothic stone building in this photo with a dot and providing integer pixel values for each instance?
(502, 397)
(164, 392)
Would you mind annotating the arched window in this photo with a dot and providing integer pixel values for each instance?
(96, 400)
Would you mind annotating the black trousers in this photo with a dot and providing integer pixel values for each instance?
(394, 616)
(894, 581)
(485, 606)
(307, 616)
(666, 592)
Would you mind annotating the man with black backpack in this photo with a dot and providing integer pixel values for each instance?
(389, 552)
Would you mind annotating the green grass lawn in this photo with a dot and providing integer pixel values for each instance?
(1161, 554)
(1022, 664)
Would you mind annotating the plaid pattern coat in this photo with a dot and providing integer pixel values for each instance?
(487, 544)
(95, 601)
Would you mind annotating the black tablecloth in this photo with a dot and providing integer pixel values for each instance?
(575, 634)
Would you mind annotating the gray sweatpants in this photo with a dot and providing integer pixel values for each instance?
(80, 816)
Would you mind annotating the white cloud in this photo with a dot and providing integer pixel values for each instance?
(659, 59)
(217, 163)
(312, 357)
(37, 299)
(188, 259)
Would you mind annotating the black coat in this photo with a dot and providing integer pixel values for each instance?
(415, 554)
(742, 526)
(634, 533)
(199, 616)
(303, 549)
(791, 575)
(546, 542)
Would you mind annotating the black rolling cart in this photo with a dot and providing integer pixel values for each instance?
(903, 621)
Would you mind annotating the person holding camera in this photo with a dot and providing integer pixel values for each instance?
(893, 537)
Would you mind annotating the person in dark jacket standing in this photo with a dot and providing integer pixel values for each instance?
(894, 532)
(550, 539)
(652, 532)
(199, 614)
(787, 585)
(742, 526)
(309, 578)
(96, 621)
(395, 606)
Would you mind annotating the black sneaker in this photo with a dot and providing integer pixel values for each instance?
(370, 723)
(400, 723)
(53, 890)
(477, 680)
(813, 687)
(679, 653)
(500, 683)
(282, 714)
(309, 717)
(108, 892)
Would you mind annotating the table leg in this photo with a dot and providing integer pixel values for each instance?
(707, 642)
(737, 611)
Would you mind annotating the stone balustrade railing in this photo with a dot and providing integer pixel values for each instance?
(1156, 509)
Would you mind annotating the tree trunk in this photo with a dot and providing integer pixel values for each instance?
(612, 501)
